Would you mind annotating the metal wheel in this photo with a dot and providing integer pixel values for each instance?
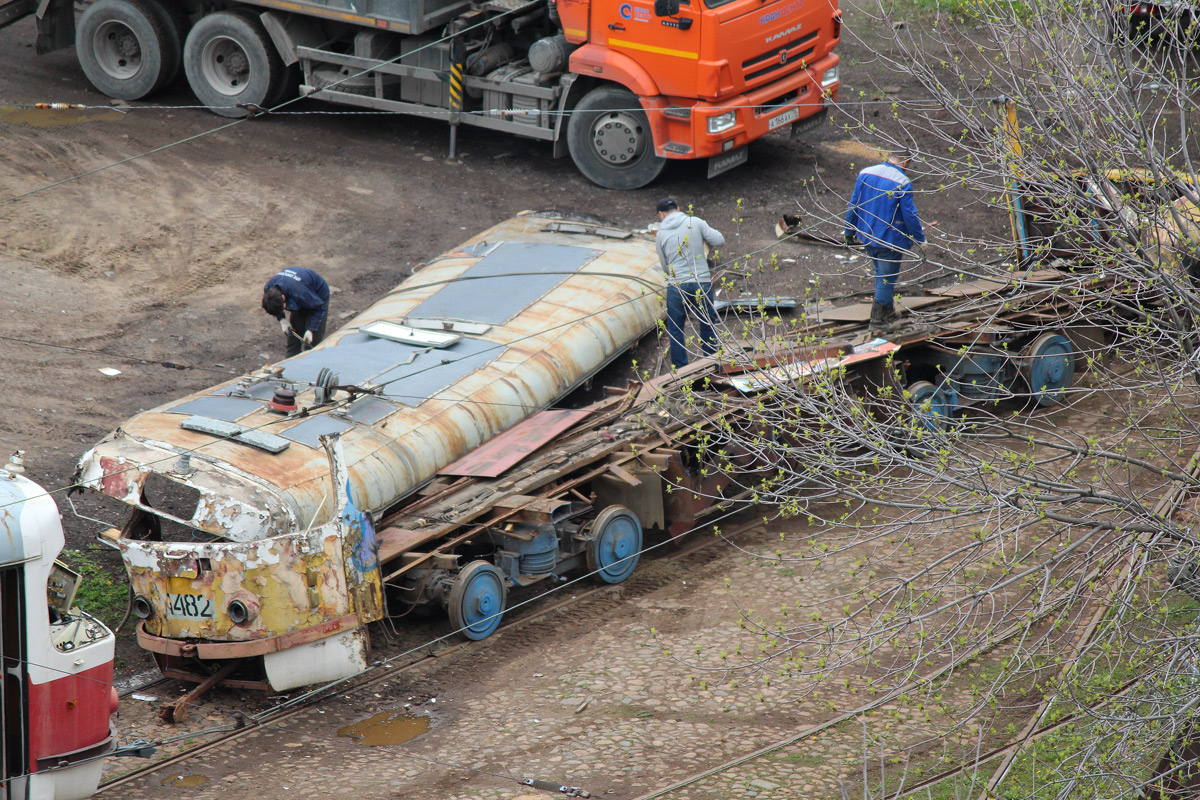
(477, 600)
(933, 405)
(230, 60)
(610, 140)
(124, 48)
(616, 545)
(1048, 366)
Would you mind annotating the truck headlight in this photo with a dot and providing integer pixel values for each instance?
(722, 122)
(829, 78)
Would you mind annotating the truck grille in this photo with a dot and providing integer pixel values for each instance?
(768, 62)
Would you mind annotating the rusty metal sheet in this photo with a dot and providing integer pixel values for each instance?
(507, 449)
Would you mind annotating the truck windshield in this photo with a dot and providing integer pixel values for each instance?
(716, 3)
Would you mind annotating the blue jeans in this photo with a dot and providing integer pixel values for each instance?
(694, 299)
(887, 268)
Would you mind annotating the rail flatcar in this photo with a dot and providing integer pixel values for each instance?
(56, 686)
(250, 540)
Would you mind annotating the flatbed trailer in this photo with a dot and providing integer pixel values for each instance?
(570, 489)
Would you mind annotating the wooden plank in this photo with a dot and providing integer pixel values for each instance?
(396, 541)
(492, 459)
(969, 289)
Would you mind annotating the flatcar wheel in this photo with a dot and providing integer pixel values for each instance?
(477, 600)
(1048, 367)
(934, 406)
(616, 545)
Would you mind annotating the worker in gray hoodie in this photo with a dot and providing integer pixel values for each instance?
(680, 241)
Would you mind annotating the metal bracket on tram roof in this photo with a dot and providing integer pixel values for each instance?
(452, 325)
(581, 227)
(405, 334)
(227, 430)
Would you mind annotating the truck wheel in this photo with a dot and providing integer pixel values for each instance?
(175, 24)
(229, 59)
(124, 48)
(610, 141)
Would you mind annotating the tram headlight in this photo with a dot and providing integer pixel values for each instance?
(239, 612)
(142, 608)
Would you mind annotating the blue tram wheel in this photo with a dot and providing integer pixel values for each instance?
(933, 405)
(1048, 366)
(616, 545)
(477, 600)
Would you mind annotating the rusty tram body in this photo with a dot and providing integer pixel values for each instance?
(423, 465)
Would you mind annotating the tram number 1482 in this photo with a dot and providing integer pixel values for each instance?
(189, 606)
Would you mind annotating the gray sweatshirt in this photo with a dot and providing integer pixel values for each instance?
(680, 240)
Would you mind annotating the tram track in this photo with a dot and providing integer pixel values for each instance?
(641, 582)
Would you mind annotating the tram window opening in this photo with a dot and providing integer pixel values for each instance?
(174, 499)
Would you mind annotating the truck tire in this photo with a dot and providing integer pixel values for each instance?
(124, 48)
(229, 59)
(175, 24)
(610, 141)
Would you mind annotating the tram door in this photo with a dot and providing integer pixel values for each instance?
(13, 758)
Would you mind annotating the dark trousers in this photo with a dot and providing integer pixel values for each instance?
(887, 269)
(695, 300)
(299, 320)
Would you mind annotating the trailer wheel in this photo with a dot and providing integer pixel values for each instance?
(932, 405)
(477, 600)
(124, 48)
(610, 141)
(616, 545)
(229, 59)
(1048, 366)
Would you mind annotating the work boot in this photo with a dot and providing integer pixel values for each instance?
(890, 315)
(877, 313)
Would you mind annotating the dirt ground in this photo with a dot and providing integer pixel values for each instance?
(154, 267)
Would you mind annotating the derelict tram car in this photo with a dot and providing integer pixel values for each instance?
(250, 538)
(56, 662)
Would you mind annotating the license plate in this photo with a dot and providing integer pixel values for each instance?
(190, 606)
(791, 115)
(727, 161)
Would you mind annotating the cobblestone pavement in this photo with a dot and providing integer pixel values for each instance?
(615, 698)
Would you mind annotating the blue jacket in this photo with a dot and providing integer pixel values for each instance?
(882, 212)
(304, 290)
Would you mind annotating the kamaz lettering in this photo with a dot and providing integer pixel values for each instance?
(780, 13)
(781, 34)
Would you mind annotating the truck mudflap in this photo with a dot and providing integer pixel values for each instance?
(727, 161)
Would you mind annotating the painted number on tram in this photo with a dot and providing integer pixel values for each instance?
(189, 606)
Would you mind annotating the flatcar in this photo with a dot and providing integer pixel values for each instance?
(250, 541)
(56, 687)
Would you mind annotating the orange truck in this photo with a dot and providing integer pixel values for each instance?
(622, 86)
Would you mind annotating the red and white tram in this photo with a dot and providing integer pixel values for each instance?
(56, 680)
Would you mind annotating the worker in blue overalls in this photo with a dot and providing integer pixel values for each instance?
(883, 216)
(305, 295)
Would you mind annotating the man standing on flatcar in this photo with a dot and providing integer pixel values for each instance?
(883, 216)
(305, 295)
(680, 241)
